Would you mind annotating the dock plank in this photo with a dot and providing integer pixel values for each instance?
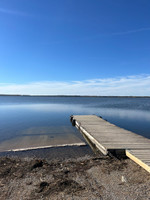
(141, 157)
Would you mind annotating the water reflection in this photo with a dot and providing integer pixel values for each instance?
(81, 109)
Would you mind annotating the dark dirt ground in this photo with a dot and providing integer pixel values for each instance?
(28, 176)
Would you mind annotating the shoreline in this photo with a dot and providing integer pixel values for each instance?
(60, 152)
(45, 147)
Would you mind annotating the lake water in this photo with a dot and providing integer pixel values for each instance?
(29, 122)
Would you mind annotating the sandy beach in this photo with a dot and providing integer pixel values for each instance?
(70, 173)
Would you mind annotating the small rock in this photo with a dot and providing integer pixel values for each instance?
(66, 171)
(123, 179)
(42, 186)
(29, 182)
(37, 163)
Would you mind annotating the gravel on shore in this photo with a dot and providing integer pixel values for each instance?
(83, 176)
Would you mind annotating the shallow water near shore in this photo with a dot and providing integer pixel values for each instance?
(32, 122)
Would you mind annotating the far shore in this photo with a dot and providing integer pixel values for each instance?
(27, 95)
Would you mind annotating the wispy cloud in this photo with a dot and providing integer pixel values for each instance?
(98, 36)
(14, 12)
(131, 31)
(138, 85)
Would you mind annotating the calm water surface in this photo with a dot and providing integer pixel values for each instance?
(42, 121)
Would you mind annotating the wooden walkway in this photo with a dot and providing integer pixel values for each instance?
(108, 137)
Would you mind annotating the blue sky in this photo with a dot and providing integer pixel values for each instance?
(73, 46)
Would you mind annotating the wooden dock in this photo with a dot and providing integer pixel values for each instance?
(108, 137)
